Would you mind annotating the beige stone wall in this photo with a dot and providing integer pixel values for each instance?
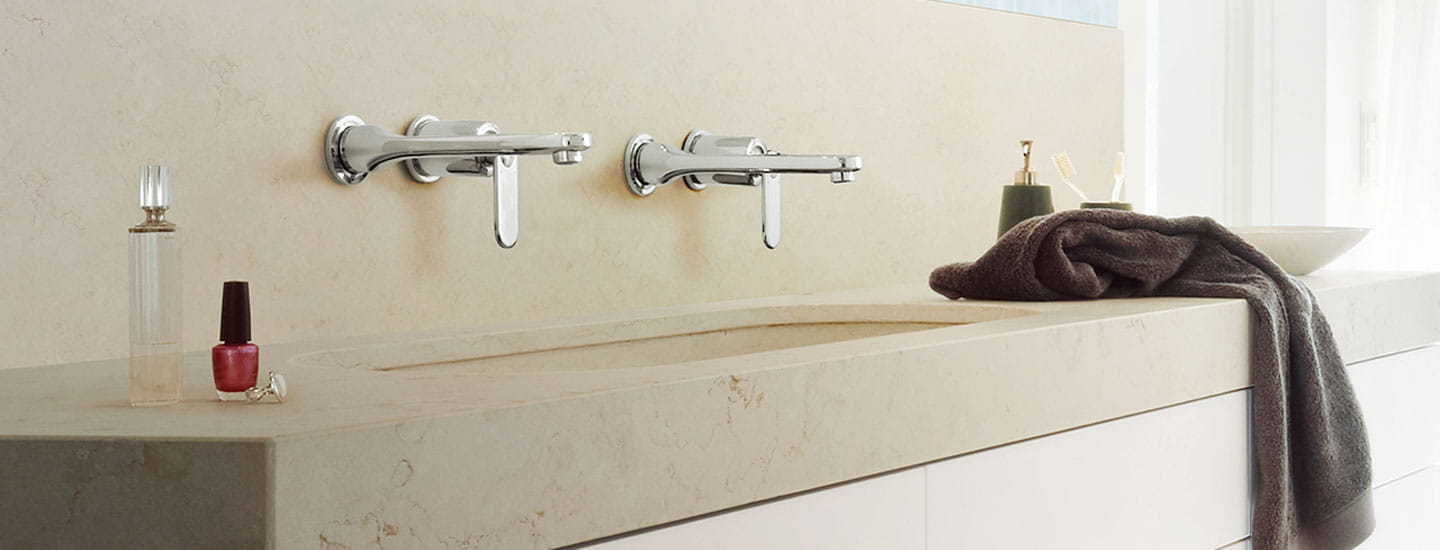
(235, 97)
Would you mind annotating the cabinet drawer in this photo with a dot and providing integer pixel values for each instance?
(881, 512)
(1400, 398)
(1174, 478)
(1405, 514)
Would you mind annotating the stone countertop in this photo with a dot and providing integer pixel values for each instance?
(548, 459)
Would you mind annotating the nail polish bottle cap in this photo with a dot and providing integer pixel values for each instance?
(235, 313)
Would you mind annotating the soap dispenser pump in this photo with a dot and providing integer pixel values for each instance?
(1026, 198)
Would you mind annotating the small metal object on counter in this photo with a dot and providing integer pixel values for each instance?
(1025, 199)
(432, 148)
(276, 387)
(704, 159)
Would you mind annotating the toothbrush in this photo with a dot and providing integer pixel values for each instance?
(1067, 171)
(1119, 177)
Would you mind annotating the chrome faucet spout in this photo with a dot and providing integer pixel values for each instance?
(393, 147)
(361, 149)
(662, 164)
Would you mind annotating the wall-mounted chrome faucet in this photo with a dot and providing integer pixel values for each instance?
(730, 160)
(433, 148)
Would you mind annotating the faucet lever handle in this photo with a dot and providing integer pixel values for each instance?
(770, 210)
(505, 170)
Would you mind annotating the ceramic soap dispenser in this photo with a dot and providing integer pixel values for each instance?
(1026, 198)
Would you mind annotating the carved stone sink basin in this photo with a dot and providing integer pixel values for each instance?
(653, 339)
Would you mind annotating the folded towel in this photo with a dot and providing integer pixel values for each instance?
(1310, 442)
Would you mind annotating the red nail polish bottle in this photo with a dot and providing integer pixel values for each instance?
(236, 362)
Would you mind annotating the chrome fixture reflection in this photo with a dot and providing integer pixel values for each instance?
(730, 160)
(433, 148)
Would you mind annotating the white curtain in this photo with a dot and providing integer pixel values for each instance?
(1405, 207)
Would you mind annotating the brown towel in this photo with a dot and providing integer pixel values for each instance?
(1310, 443)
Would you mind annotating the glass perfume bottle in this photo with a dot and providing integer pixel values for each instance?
(154, 296)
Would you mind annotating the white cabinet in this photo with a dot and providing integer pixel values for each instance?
(1400, 397)
(1173, 478)
(882, 512)
(1407, 513)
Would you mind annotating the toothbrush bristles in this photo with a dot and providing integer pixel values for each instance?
(1063, 165)
(1067, 171)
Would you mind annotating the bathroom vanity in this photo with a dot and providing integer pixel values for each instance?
(877, 418)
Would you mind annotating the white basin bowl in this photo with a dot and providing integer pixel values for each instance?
(1301, 249)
